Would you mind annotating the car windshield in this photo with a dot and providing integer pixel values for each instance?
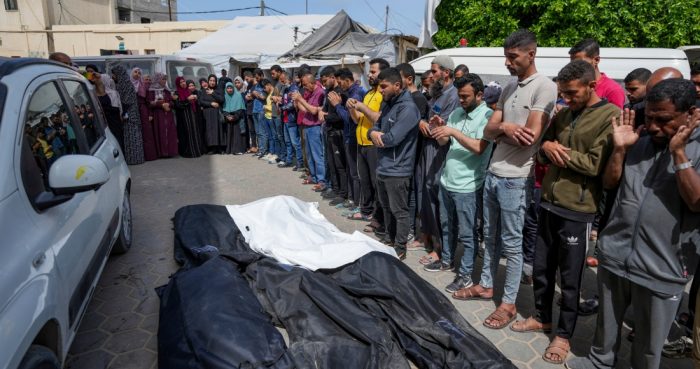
(188, 69)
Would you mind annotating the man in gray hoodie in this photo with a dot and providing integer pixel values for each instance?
(652, 235)
(395, 134)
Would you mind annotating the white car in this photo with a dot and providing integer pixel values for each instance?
(64, 207)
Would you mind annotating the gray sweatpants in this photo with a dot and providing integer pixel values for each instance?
(653, 314)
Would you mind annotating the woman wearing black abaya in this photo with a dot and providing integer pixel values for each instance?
(210, 100)
(187, 130)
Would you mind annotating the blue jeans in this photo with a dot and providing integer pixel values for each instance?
(269, 128)
(505, 201)
(293, 143)
(314, 150)
(261, 132)
(460, 208)
(279, 137)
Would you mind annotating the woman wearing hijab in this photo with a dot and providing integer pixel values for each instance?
(203, 86)
(112, 107)
(161, 101)
(141, 86)
(188, 135)
(234, 114)
(133, 141)
(210, 100)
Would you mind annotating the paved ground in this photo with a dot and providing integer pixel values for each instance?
(120, 328)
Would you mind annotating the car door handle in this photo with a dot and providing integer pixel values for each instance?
(115, 153)
(38, 260)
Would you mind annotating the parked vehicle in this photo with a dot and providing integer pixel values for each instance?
(616, 63)
(173, 66)
(64, 206)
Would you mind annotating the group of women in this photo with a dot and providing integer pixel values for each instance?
(155, 122)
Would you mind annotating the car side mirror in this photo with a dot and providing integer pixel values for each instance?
(71, 174)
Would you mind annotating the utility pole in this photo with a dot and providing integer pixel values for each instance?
(262, 8)
(307, 6)
(386, 20)
(170, 11)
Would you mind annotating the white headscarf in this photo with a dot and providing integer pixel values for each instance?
(111, 91)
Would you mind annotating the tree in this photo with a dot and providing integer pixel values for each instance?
(562, 23)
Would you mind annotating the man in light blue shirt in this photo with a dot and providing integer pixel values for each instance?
(462, 177)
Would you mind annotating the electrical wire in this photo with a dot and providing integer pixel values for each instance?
(206, 11)
(381, 20)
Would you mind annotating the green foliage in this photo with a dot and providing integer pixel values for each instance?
(562, 23)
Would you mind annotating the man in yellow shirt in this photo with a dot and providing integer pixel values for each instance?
(365, 114)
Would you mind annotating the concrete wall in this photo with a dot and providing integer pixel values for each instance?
(155, 10)
(28, 30)
(163, 37)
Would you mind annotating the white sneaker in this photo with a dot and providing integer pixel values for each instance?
(272, 159)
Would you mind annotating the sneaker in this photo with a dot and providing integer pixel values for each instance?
(282, 164)
(350, 212)
(437, 266)
(336, 201)
(459, 283)
(328, 194)
(272, 159)
(679, 348)
(411, 237)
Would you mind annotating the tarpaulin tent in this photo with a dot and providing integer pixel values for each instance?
(343, 42)
(254, 40)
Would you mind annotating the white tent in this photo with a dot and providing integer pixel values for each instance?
(254, 40)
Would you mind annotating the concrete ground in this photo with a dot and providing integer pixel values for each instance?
(120, 328)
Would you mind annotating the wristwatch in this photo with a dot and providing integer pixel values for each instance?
(681, 166)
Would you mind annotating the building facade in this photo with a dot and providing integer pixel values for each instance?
(134, 39)
(26, 26)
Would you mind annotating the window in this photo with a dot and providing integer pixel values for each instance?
(49, 133)
(84, 109)
(145, 20)
(188, 69)
(149, 51)
(124, 15)
(10, 4)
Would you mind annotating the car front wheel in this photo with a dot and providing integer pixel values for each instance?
(39, 357)
(124, 240)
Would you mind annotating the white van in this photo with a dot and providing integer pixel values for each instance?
(172, 66)
(616, 63)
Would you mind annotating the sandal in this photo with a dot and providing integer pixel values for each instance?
(308, 181)
(470, 293)
(360, 216)
(559, 347)
(530, 325)
(499, 318)
(426, 259)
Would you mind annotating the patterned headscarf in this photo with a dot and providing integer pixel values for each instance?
(157, 83)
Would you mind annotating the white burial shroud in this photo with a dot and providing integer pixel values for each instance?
(294, 232)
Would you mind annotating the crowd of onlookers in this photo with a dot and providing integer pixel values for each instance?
(539, 170)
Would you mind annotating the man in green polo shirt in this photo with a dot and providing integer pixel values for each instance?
(462, 177)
